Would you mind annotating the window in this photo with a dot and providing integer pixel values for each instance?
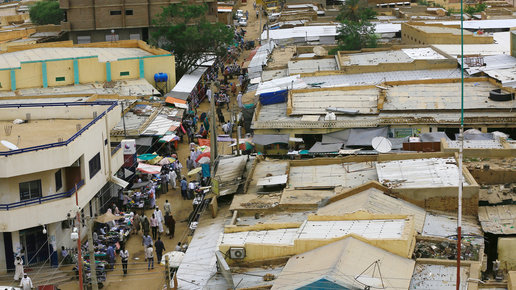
(94, 165)
(59, 180)
(129, 12)
(60, 79)
(30, 189)
(83, 39)
(112, 37)
(124, 73)
(115, 12)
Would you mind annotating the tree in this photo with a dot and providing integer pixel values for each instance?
(354, 35)
(183, 29)
(356, 31)
(46, 12)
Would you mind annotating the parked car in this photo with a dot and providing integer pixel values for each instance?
(242, 21)
(239, 14)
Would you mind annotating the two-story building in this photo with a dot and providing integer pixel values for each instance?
(55, 160)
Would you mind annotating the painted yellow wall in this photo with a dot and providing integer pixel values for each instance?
(5, 80)
(413, 35)
(91, 70)
(11, 186)
(129, 65)
(62, 68)
(29, 76)
(164, 64)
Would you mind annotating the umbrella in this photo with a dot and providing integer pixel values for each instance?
(147, 156)
(194, 171)
(150, 169)
(164, 161)
(204, 148)
(203, 160)
(174, 259)
(203, 156)
(107, 217)
(155, 160)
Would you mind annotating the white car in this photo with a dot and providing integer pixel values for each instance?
(239, 14)
(242, 21)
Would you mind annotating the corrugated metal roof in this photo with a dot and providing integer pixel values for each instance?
(441, 96)
(429, 276)
(312, 65)
(229, 173)
(378, 77)
(160, 126)
(501, 46)
(499, 220)
(445, 226)
(347, 175)
(345, 263)
(477, 144)
(316, 102)
(188, 82)
(375, 201)
(419, 173)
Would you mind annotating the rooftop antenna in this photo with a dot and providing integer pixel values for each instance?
(370, 281)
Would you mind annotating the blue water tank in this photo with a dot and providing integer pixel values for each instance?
(160, 77)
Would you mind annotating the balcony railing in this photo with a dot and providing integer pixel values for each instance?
(111, 105)
(114, 150)
(40, 200)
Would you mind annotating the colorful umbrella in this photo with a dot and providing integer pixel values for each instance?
(164, 161)
(155, 160)
(202, 156)
(147, 168)
(147, 156)
(194, 171)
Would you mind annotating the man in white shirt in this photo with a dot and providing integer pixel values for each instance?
(26, 282)
(124, 255)
(173, 176)
(149, 255)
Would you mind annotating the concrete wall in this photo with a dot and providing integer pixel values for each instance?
(413, 35)
(507, 253)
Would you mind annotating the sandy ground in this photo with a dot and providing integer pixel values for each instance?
(138, 276)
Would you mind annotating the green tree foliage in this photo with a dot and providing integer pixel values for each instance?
(475, 9)
(356, 31)
(46, 12)
(184, 30)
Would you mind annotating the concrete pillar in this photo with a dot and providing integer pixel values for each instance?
(44, 73)
(13, 80)
(142, 68)
(75, 71)
(108, 71)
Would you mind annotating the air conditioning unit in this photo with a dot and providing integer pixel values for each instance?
(237, 253)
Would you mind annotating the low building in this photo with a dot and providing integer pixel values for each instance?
(64, 64)
(54, 155)
(97, 21)
(426, 34)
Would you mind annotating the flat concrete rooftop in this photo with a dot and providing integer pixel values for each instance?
(40, 132)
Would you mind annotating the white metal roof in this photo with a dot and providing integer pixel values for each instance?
(290, 82)
(316, 102)
(317, 230)
(378, 77)
(445, 226)
(104, 54)
(188, 82)
(419, 173)
(160, 126)
(312, 65)
(483, 24)
(477, 144)
(502, 46)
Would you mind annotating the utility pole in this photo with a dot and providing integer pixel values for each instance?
(268, 31)
(167, 274)
(234, 118)
(93, 265)
(79, 250)
(261, 28)
(213, 137)
(123, 119)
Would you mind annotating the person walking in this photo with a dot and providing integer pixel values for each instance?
(170, 223)
(149, 255)
(146, 242)
(239, 100)
(145, 225)
(159, 216)
(190, 163)
(167, 207)
(124, 255)
(160, 247)
(173, 176)
(18, 263)
(136, 224)
(184, 187)
(154, 226)
(110, 252)
(26, 282)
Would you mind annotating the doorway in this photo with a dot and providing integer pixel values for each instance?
(35, 243)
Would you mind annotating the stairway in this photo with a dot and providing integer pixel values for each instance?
(41, 275)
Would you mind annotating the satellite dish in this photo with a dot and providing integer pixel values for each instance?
(381, 144)
(9, 145)
(371, 282)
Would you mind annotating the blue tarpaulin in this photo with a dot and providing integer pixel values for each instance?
(205, 170)
(274, 97)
